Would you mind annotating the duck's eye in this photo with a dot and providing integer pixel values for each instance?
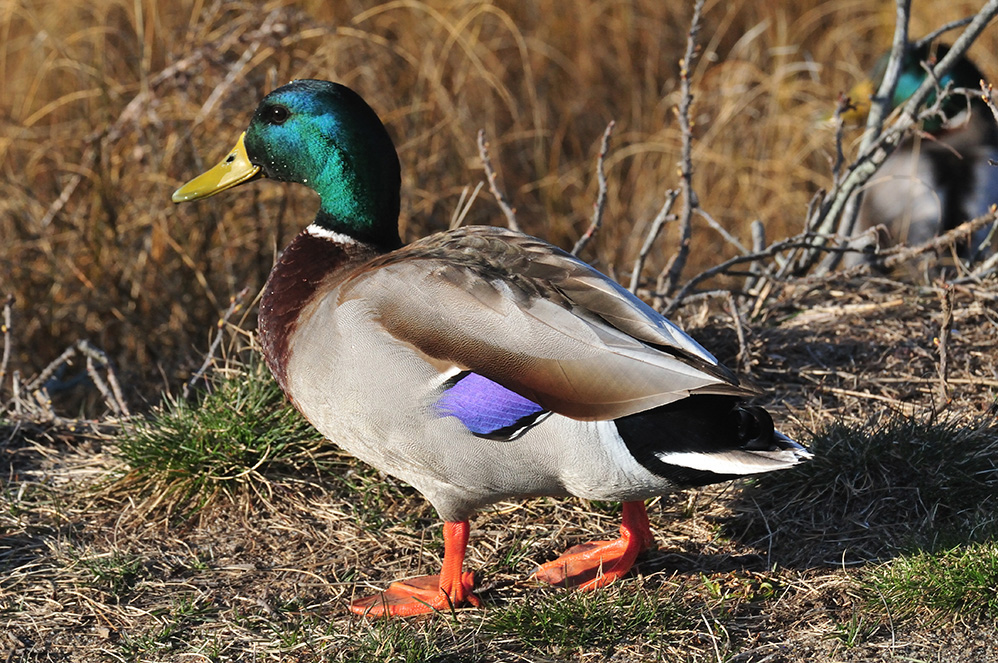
(278, 115)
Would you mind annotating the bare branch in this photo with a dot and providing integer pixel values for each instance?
(110, 390)
(882, 102)
(490, 175)
(690, 201)
(600, 205)
(664, 214)
(845, 104)
(891, 257)
(952, 25)
(5, 329)
(728, 237)
(844, 207)
(113, 400)
(901, 254)
(946, 297)
(988, 97)
(758, 246)
(742, 357)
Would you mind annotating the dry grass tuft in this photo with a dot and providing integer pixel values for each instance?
(875, 492)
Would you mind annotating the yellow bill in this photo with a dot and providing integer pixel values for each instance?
(231, 171)
(859, 95)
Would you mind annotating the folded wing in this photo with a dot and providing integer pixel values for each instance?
(537, 321)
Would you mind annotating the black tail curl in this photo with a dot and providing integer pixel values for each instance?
(755, 429)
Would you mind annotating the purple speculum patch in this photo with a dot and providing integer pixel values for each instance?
(487, 408)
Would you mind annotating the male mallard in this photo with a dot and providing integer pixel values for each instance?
(938, 178)
(478, 364)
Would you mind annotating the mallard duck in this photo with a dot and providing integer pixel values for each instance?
(478, 364)
(938, 178)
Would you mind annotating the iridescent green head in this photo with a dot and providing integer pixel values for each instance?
(322, 135)
(964, 74)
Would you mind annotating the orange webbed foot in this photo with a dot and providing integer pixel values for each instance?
(418, 596)
(425, 594)
(598, 563)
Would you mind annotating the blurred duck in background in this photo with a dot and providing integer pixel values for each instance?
(937, 178)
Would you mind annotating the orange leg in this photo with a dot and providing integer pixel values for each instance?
(425, 594)
(593, 565)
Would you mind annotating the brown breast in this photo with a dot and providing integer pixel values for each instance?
(308, 267)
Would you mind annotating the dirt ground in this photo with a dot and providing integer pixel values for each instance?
(85, 569)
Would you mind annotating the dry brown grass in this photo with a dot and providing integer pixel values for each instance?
(106, 107)
(763, 574)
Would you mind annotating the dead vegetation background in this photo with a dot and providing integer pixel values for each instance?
(107, 106)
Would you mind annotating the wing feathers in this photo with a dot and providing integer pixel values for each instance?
(538, 322)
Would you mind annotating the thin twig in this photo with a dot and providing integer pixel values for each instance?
(111, 390)
(946, 297)
(742, 357)
(902, 254)
(690, 202)
(882, 102)
(846, 209)
(86, 165)
(271, 29)
(600, 205)
(986, 267)
(102, 387)
(845, 104)
(890, 257)
(235, 72)
(931, 37)
(50, 370)
(490, 175)
(235, 302)
(717, 227)
(758, 231)
(42, 401)
(664, 215)
(464, 205)
(15, 387)
(987, 94)
(5, 329)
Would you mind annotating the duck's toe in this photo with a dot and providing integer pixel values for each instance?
(418, 596)
(590, 565)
